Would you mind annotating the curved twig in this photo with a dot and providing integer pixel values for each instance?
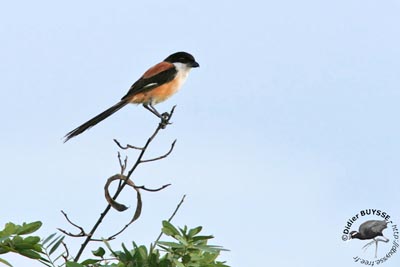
(113, 202)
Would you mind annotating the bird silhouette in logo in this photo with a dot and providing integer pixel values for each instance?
(371, 229)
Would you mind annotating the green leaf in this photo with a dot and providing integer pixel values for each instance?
(4, 238)
(171, 244)
(53, 241)
(37, 248)
(169, 229)
(128, 254)
(48, 238)
(4, 249)
(9, 229)
(45, 262)
(195, 231)
(29, 253)
(164, 263)
(27, 243)
(178, 263)
(23, 245)
(56, 245)
(211, 249)
(73, 264)
(28, 228)
(110, 249)
(202, 237)
(32, 239)
(164, 248)
(184, 230)
(90, 261)
(142, 252)
(121, 256)
(186, 258)
(182, 240)
(5, 262)
(17, 240)
(99, 252)
(210, 257)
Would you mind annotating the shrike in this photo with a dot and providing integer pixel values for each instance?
(156, 85)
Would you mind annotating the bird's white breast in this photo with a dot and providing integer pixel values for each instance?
(183, 71)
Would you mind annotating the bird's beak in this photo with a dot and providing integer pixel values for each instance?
(195, 65)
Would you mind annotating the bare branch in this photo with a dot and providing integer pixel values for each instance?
(177, 208)
(73, 224)
(161, 157)
(169, 220)
(80, 234)
(127, 146)
(66, 251)
(162, 125)
(122, 164)
(71, 234)
(152, 190)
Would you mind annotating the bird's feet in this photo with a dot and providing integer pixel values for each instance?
(165, 117)
(165, 120)
(368, 244)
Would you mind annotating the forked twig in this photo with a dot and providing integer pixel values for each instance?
(127, 146)
(161, 157)
(80, 234)
(124, 164)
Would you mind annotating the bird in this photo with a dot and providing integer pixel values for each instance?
(156, 85)
(371, 229)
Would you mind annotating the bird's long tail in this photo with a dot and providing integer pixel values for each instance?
(95, 120)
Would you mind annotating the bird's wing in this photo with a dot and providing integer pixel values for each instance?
(378, 227)
(157, 75)
(372, 227)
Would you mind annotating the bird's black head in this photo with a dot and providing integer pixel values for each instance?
(183, 57)
(354, 234)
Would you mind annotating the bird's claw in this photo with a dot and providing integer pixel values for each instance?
(165, 120)
(165, 116)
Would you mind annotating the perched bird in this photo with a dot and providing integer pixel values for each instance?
(156, 85)
(371, 229)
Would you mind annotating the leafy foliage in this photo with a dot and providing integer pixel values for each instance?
(190, 249)
(50, 246)
(12, 240)
(187, 249)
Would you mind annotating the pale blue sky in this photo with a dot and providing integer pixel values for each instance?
(289, 127)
